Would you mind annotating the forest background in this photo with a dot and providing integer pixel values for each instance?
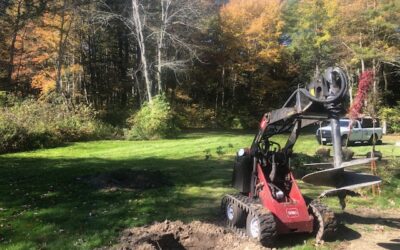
(84, 69)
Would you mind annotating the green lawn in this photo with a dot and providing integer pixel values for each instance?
(44, 204)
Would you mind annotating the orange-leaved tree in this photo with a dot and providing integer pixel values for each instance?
(253, 28)
(251, 33)
(45, 52)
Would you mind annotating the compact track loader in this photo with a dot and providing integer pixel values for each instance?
(269, 201)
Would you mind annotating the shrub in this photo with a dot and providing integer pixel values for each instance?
(31, 124)
(198, 116)
(298, 160)
(153, 121)
(392, 117)
(3, 99)
(116, 115)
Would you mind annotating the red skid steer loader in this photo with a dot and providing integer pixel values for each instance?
(269, 201)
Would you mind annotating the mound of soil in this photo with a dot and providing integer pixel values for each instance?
(176, 235)
(127, 179)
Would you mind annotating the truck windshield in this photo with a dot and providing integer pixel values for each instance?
(344, 123)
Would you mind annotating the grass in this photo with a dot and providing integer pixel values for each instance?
(45, 205)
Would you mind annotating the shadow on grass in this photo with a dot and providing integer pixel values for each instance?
(393, 245)
(344, 233)
(201, 133)
(349, 218)
(289, 240)
(357, 145)
(45, 204)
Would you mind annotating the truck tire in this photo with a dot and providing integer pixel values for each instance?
(321, 142)
(373, 139)
(344, 141)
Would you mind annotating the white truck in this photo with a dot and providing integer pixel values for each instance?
(362, 130)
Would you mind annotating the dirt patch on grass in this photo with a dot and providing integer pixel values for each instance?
(127, 179)
(176, 235)
(368, 228)
(361, 228)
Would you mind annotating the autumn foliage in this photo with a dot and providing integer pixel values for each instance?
(219, 63)
(254, 28)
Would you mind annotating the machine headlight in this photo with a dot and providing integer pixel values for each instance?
(241, 152)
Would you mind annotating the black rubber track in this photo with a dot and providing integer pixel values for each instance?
(239, 216)
(267, 228)
(253, 208)
(325, 224)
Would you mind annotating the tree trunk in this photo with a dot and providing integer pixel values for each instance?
(316, 70)
(20, 58)
(12, 46)
(362, 60)
(64, 33)
(385, 81)
(60, 50)
(159, 67)
(136, 16)
(160, 44)
(233, 91)
(216, 104)
(11, 62)
(351, 84)
(374, 99)
(223, 86)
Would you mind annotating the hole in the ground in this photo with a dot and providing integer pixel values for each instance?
(178, 235)
(166, 242)
(127, 179)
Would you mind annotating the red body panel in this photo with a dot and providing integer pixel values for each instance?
(291, 214)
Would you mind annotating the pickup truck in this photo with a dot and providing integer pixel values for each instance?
(362, 131)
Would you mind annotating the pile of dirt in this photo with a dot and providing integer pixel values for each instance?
(176, 235)
(127, 179)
